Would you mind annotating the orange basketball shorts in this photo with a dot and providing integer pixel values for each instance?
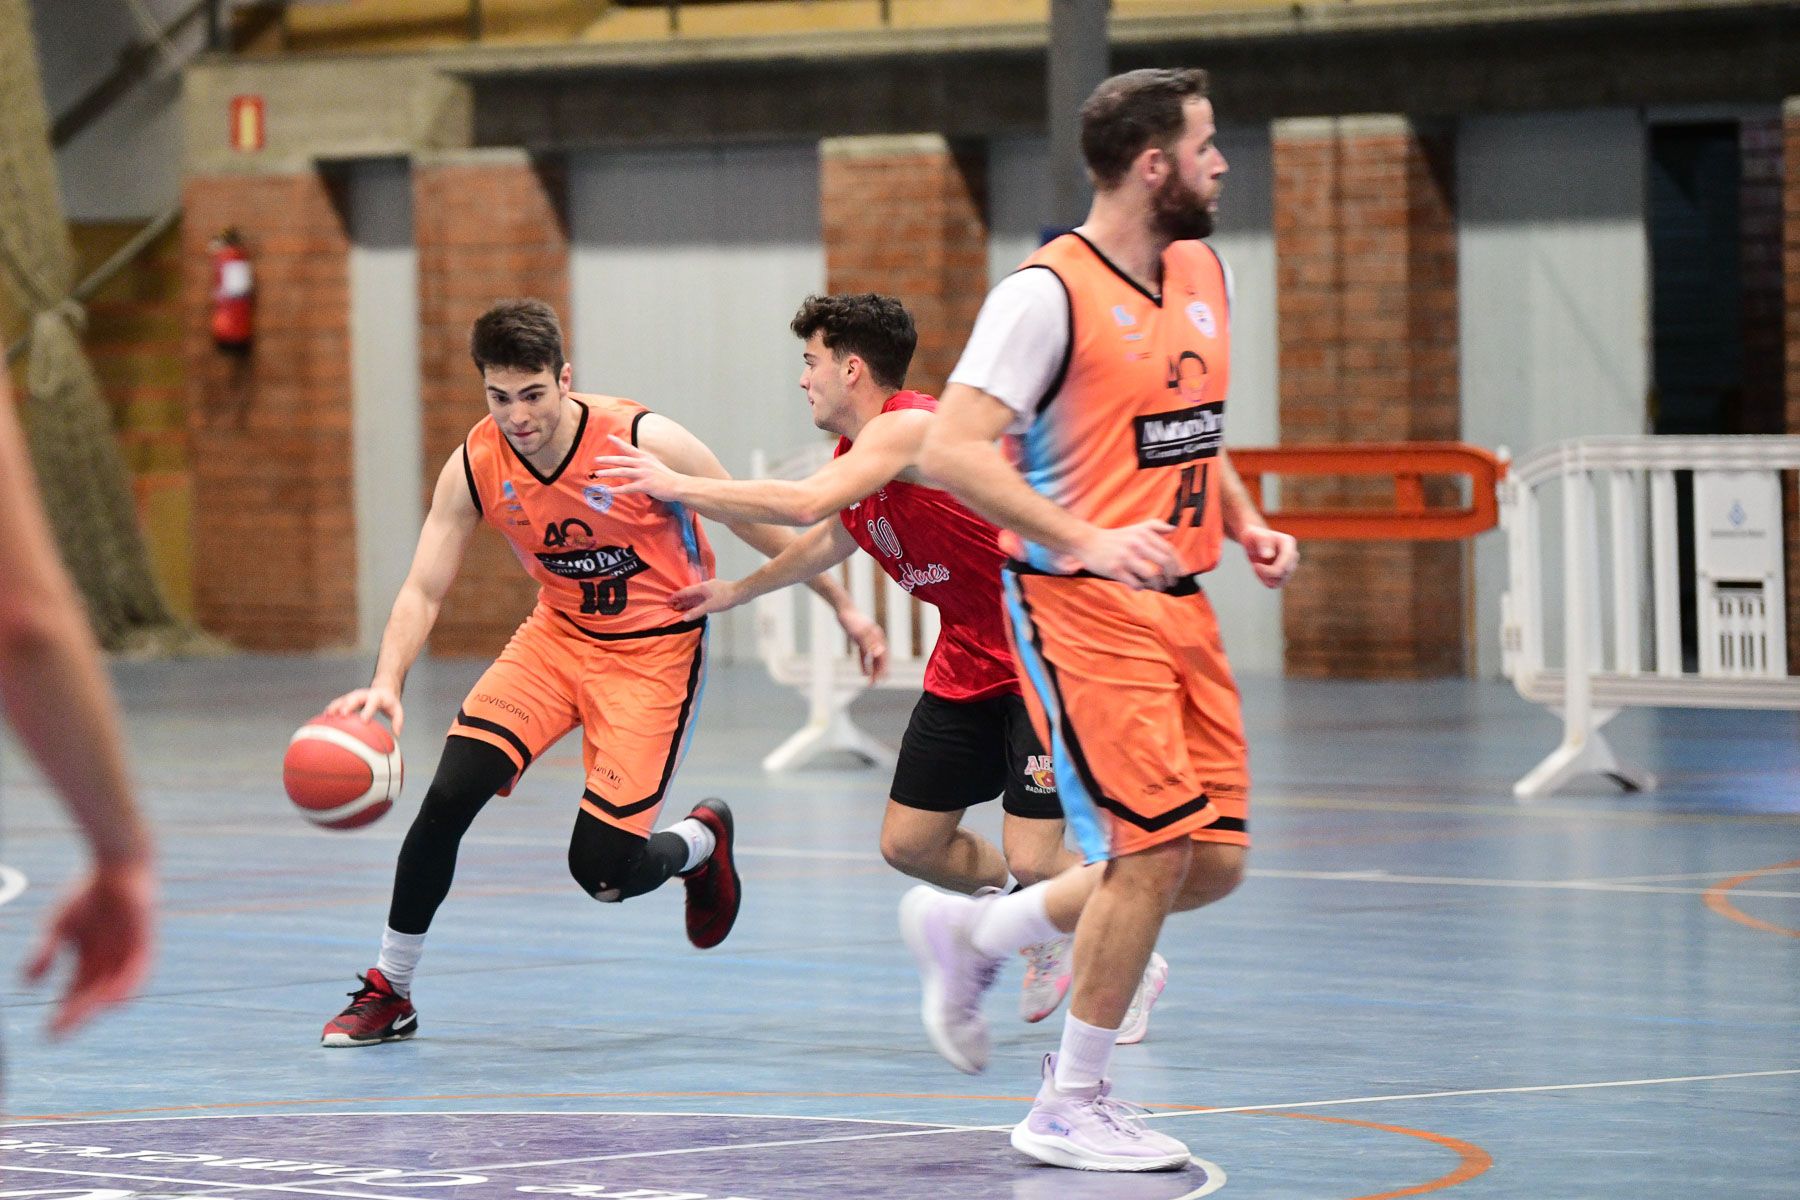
(634, 696)
(1132, 693)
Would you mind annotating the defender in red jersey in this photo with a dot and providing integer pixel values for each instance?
(969, 737)
(602, 651)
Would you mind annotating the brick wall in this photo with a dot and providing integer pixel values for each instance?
(489, 225)
(1365, 241)
(274, 530)
(906, 216)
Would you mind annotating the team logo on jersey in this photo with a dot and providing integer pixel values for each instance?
(1040, 776)
(911, 577)
(595, 562)
(1182, 435)
(599, 497)
(1201, 314)
(508, 494)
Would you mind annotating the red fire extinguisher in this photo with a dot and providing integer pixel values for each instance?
(233, 294)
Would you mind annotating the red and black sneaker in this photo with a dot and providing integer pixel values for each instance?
(713, 888)
(377, 1013)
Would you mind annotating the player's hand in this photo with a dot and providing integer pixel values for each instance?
(369, 701)
(106, 921)
(870, 639)
(1139, 555)
(707, 597)
(1273, 555)
(633, 471)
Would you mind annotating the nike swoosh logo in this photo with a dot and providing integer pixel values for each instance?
(406, 1022)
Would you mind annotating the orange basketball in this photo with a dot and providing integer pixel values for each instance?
(342, 772)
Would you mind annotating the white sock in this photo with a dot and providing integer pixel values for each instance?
(700, 841)
(1086, 1051)
(1010, 922)
(399, 958)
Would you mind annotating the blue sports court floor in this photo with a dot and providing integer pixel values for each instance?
(1423, 988)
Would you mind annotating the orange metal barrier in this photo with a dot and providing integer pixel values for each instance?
(1407, 463)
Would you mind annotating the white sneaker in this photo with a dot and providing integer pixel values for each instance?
(1137, 1017)
(1047, 975)
(955, 975)
(1086, 1129)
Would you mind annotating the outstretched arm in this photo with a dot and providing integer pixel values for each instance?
(817, 550)
(886, 447)
(960, 452)
(59, 701)
(442, 542)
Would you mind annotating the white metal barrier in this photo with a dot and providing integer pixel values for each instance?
(1613, 657)
(801, 644)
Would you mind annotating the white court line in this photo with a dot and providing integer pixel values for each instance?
(1694, 875)
(1194, 1112)
(485, 1168)
(1505, 1091)
(12, 882)
(209, 1183)
(1559, 885)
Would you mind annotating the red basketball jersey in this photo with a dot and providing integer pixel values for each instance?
(950, 558)
(607, 563)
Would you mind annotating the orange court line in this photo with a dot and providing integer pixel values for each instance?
(1718, 900)
(1475, 1160)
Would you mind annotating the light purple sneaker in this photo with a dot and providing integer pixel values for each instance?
(1137, 1017)
(955, 975)
(1088, 1130)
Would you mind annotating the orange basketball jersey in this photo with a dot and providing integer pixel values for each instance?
(1130, 430)
(607, 563)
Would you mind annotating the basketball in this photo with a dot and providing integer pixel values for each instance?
(342, 772)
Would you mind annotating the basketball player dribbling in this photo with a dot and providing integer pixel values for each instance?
(602, 651)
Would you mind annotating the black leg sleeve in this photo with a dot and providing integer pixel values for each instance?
(468, 776)
(612, 864)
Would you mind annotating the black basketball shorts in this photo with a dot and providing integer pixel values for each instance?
(958, 753)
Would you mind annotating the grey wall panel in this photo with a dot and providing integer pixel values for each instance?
(1554, 294)
(686, 267)
(1018, 196)
(384, 381)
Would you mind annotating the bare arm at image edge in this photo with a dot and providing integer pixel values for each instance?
(60, 703)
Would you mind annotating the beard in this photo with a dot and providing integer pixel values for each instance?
(1178, 213)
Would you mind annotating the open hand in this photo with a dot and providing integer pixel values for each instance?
(633, 471)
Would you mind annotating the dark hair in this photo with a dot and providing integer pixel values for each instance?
(1130, 113)
(875, 328)
(521, 334)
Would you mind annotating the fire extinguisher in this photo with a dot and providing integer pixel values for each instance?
(233, 294)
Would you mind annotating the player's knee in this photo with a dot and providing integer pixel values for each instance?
(906, 852)
(1031, 863)
(913, 840)
(610, 865)
(1214, 874)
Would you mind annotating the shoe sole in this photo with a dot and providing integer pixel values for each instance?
(1033, 1016)
(342, 1040)
(912, 930)
(1057, 1153)
(722, 856)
